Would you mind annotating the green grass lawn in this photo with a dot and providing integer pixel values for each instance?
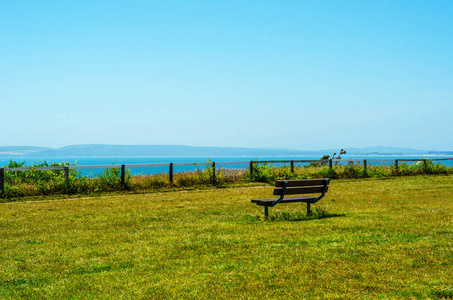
(390, 239)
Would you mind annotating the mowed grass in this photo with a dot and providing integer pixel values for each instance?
(390, 239)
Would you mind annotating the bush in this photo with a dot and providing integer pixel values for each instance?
(111, 178)
(208, 176)
(284, 173)
(349, 171)
(326, 172)
(379, 171)
(261, 173)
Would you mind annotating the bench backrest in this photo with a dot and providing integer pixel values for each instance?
(305, 186)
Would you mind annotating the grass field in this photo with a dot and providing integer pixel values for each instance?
(384, 239)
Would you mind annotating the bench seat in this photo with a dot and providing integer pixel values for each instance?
(284, 200)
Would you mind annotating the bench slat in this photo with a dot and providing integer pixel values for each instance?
(305, 182)
(299, 190)
(285, 200)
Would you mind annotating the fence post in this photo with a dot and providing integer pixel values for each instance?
(396, 167)
(251, 168)
(66, 175)
(424, 163)
(213, 172)
(2, 180)
(292, 166)
(170, 172)
(365, 165)
(330, 164)
(123, 176)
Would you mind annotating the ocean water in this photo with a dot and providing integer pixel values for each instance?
(242, 162)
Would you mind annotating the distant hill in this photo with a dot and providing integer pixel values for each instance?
(21, 150)
(94, 150)
(149, 150)
(379, 150)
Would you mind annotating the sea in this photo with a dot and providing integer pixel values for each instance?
(223, 162)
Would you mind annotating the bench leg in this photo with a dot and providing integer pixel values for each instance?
(266, 212)
(308, 209)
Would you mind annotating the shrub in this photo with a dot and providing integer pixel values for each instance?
(326, 172)
(261, 173)
(379, 171)
(348, 171)
(111, 178)
(208, 176)
(284, 173)
(438, 168)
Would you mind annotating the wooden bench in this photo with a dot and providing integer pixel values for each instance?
(295, 187)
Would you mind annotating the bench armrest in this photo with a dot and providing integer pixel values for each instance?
(285, 184)
(326, 185)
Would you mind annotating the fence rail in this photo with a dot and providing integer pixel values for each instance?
(213, 165)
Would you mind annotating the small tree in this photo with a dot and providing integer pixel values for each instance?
(327, 157)
(339, 155)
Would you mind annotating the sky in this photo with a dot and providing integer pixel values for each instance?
(274, 74)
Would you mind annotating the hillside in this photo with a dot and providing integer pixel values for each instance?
(100, 150)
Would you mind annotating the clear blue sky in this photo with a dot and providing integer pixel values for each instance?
(276, 74)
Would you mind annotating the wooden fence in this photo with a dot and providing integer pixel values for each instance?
(213, 165)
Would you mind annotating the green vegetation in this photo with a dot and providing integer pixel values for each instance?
(20, 184)
(369, 239)
(209, 176)
(268, 173)
(48, 182)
